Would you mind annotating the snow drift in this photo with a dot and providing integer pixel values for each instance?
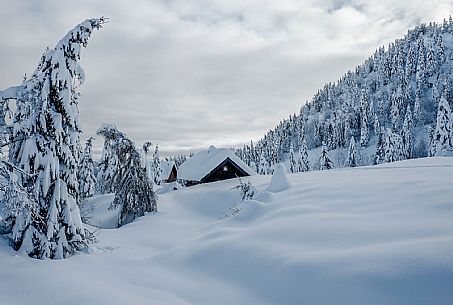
(368, 235)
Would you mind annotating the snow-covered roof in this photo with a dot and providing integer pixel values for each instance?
(202, 163)
(166, 167)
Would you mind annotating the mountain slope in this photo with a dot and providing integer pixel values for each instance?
(406, 79)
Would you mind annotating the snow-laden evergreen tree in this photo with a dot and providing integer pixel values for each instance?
(379, 156)
(108, 167)
(45, 146)
(431, 62)
(432, 141)
(292, 161)
(347, 133)
(417, 112)
(86, 177)
(5, 130)
(264, 165)
(399, 147)
(397, 102)
(393, 147)
(134, 195)
(324, 161)
(19, 202)
(252, 153)
(179, 159)
(146, 164)
(352, 154)
(157, 169)
(364, 129)
(421, 63)
(408, 135)
(253, 166)
(270, 169)
(440, 50)
(376, 125)
(389, 147)
(302, 159)
(442, 136)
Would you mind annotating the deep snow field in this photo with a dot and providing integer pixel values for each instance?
(370, 235)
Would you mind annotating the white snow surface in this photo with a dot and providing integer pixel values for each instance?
(368, 235)
(103, 217)
(203, 162)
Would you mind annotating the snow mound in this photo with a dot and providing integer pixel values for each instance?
(265, 196)
(444, 153)
(250, 210)
(168, 187)
(101, 216)
(279, 181)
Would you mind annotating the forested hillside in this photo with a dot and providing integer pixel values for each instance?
(392, 99)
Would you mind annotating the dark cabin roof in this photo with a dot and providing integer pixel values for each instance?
(205, 162)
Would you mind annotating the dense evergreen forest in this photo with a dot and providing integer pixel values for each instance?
(392, 98)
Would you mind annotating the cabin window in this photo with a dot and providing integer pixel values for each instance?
(225, 168)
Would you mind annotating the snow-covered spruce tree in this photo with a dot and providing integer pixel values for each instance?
(364, 129)
(108, 167)
(324, 161)
(252, 153)
(86, 177)
(407, 135)
(264, 165)
(442, 137)
(46, 146)
(302, 159)
(272, 163)
(393, 147)
(431, 63)
(399, 147)
(417, 112)
(440, 49)
(146, 164)
(376, 125)
(432, 141)
(253, 166)
(379, 157)
(134, 194)
(87, 181)
(352, 154)
(157, 169)
(292, 161)
(389, 147)
(19, 202)
(5, 130)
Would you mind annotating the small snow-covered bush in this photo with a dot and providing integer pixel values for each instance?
(247, 189)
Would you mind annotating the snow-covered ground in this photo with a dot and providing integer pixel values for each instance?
(378, 235)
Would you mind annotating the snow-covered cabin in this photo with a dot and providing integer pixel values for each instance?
(211, 165)
(169, 171)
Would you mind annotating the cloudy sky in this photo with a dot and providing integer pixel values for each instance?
(187, 74)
